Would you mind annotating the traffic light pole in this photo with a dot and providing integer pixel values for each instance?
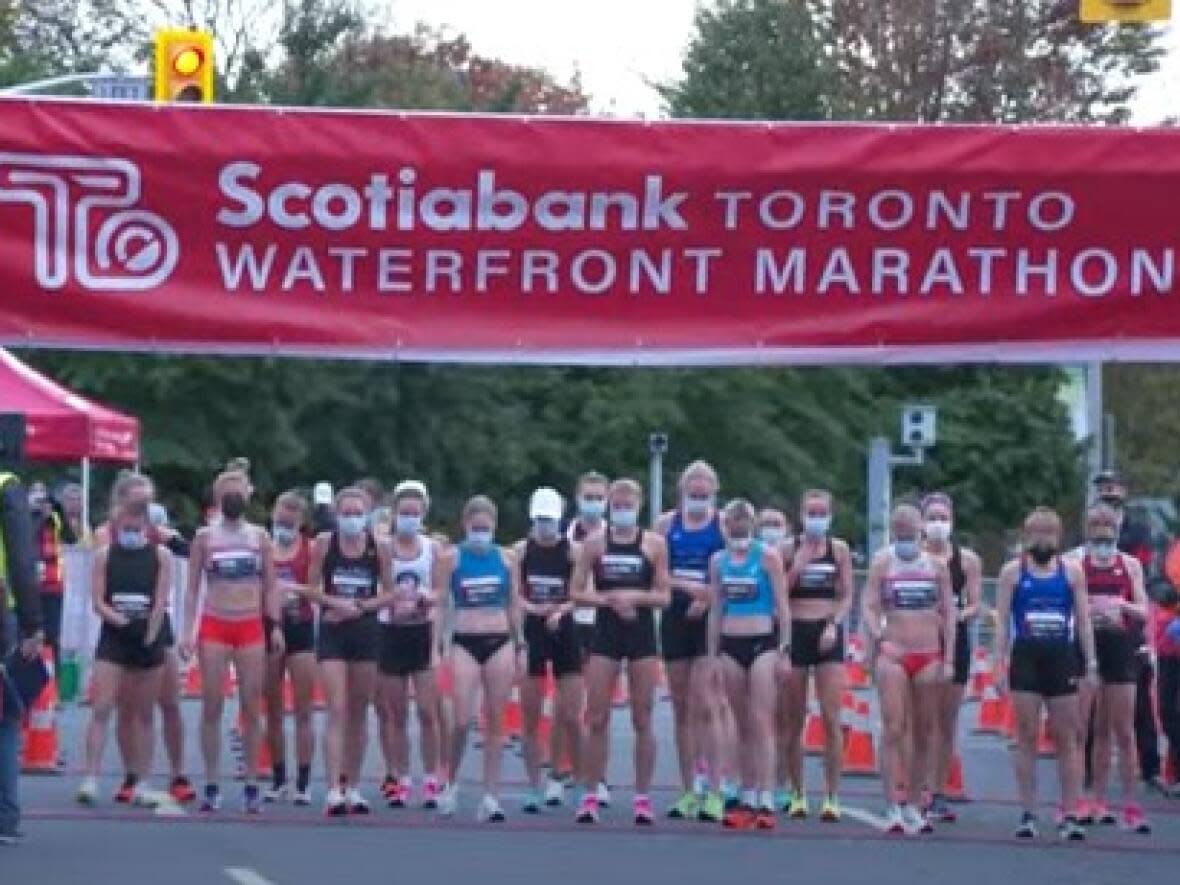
(882, 460)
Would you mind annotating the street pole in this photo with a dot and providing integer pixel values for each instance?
(657, 446)
(881, 462)
(1094, 431)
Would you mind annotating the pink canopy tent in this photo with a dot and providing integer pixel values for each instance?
(60, 425)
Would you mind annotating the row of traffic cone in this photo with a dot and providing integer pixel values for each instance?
(39, 735)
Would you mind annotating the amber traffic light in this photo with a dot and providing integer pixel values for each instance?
(184, 65)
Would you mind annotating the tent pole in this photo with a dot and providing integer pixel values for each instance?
(85, 493)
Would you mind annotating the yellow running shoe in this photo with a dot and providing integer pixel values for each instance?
(830, 812)
(798, 807)
(686, 807)
(712, 808)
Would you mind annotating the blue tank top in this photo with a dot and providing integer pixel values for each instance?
(689, 552)
(480, 580)
(745, 588)
(1042, 608)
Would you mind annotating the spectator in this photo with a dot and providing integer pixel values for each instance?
(20, 618)
(70, 496)
(51, 530)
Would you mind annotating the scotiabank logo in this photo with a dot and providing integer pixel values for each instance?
(85, 214)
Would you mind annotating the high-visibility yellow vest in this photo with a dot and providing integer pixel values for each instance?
(5, 479)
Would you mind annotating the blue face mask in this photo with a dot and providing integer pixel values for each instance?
(772, 535)
(817, 526)
(284, 535)
(624, 517)
(407, 524)
(353, 526)
(132, 539)
(592, 509)
(479, 539)
(1103, 550)
(906, 550)
(698, 505)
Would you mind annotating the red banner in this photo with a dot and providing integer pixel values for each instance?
(510, 239)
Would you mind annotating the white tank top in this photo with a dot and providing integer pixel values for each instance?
(411, 578)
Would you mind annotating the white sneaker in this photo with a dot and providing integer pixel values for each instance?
(554, 793)
(490, 811)
(894, 821)
(278, 794)
(356, 802)
(602, 794)
(913, 820)
(335, 805)
(87, 792)
(302, 798)
(448, 800)
(143, 797)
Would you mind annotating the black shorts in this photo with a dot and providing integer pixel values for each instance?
(682, 638)
(123, 647)
(355, 641)
(298, 636)
(562, 648)
(621, 640)
(481, 646)
(1117, 652)
(1048, 669)
(51, 615)
(167, 636)
(745, 650)
(962, 655)
(585, 634)
(805, 636)
(406, 649)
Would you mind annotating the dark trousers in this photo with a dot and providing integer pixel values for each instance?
(51, 612)
(1168, 695)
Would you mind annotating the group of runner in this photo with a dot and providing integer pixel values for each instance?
(752, 618)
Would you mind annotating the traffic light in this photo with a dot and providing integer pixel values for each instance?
(184, 65)
(1098, 11)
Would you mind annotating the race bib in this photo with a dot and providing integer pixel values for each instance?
(480, 592)
(739, 589)
(1049, 626)
(134, 606)
(234, 565)
(546, 589)
(915, 595)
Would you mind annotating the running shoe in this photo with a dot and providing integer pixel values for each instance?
(1085, 812)
(87, 792)
(1028, 826)
(356, 802)
(554, 792)
(389, 788)
(712, 809)
(914, 821)
(1103, 814)
(126, 792)
(602, 794)
(641, 809)
(181, 790)
(281, 793)
(797, 808)
(686, 807)
(142, 797)
(335, 805)
(740, 818)
(782, 799)
(252, 799)
(490, 811)
(732, 795)
(1071, 830)
(588, 809)
(532, 802)
(448, 800)
(302, 798)
(764, 819)
(830, 811)
(894, 822)
(430, 794)
(212, 801)
(1134, 821)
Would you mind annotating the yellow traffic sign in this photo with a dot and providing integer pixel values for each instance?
(1098, 11)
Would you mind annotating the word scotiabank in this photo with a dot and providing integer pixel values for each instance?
(482, 239)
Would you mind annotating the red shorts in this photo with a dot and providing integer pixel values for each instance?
(914, 662)
(231, 634)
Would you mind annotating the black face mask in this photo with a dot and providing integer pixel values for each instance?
(233, 505)
(1042, 554)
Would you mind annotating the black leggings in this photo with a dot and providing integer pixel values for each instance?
(1168, 691)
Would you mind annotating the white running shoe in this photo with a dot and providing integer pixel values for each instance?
(281, 793)
(335, 804)
(448, 800)
(356, 802)
(913, 820)
(490, 811)
(554, 793)
(302, 798)
(87, 792)
(143, 797)
(602, 794)
(894, 821)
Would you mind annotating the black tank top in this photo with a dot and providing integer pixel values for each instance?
(545, 572)
(623, 566)
(817, 579)
(958, 576)
(351, 577)
(131, 580)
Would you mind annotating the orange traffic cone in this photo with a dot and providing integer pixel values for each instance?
(981, 675)
(953, 788)
(265, 763)
(40, 733)
(192, 682)
(289, 695)
(444, 678)
(621, 696)
(1046, 746)
(813, 734)
(855, 674)
(860, 756)
(993, 711)
(511, 718)
(544, 734)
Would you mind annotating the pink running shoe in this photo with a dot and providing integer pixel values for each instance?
(1134, 821)
(641, 806)
(430, 793)
(588, 809)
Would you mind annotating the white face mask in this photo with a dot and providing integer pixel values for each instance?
(938, 530)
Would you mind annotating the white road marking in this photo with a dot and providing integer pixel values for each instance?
(244, 876)
(867, 817)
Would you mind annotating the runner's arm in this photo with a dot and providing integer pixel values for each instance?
(1136, 607)
(1081, 605)
(660, 594)
(581, 590)
(714, 634)
(773, 563)
(870, 603)
(973, 588)
(272, 602)
(385, 597)
(98, 590)
(160, 593)
(196, 569)
(1004, 588)
(845, 590)
(950, 616)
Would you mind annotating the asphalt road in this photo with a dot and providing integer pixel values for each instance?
(288, 846)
